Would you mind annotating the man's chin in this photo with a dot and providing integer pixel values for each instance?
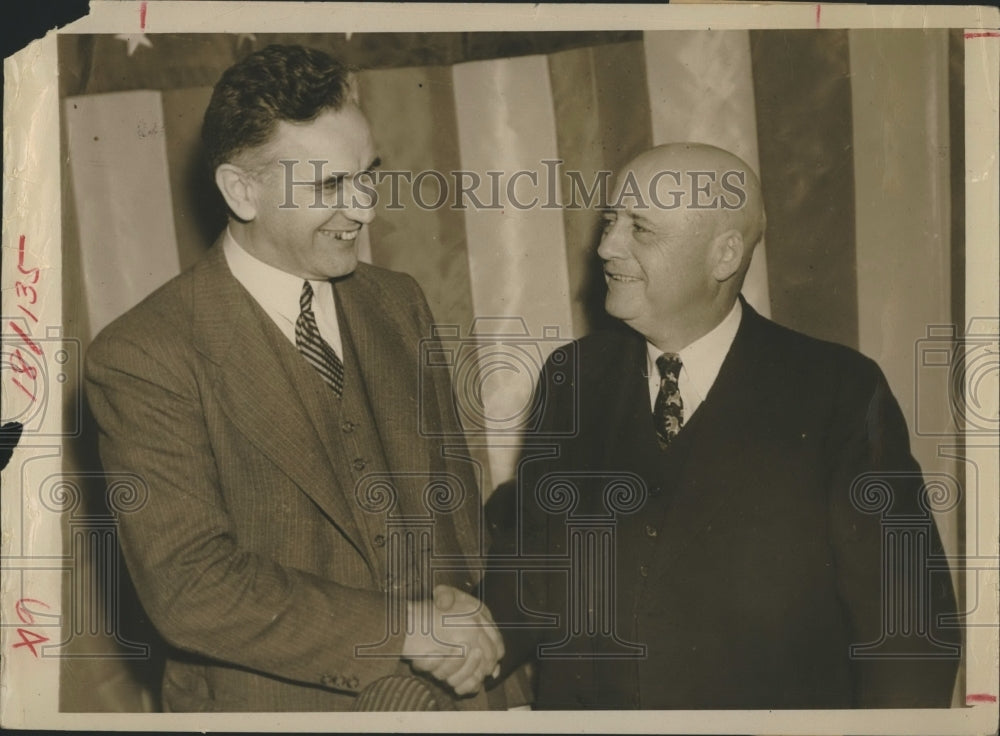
(341, 269)
(616, 309)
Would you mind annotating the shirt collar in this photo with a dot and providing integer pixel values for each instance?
(702, 359)
(275, 290)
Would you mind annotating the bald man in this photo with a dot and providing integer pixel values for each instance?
(739, 466)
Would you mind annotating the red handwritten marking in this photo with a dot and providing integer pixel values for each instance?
(142, 16)
(18, 384)
(22, 365)
(23, 613)
(28, 638)
(980, 698)
(27, 340)
(21, 307)
(25, 291)
(982, 34)
(20, 261)
(818, 11)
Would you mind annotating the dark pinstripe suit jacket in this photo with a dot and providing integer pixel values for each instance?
(251, 556)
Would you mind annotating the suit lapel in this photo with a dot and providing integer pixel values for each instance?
(256, 392)
(627, 434)
(713, 435)
(387, 352)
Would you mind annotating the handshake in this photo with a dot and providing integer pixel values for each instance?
(453, 639)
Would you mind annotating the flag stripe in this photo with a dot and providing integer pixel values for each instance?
(701, 89)
(802, 82)
(517, 255)
(428, 244)
(901, 172)
(905, 286)
(125, 206)
(198, 207)
(602, 121)
(900, 96)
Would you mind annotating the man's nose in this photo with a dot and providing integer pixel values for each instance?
(612, 243)
(360, 204)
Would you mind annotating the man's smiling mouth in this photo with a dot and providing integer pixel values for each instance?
(621, 278)
(341, 234)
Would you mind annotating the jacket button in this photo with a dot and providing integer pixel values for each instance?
(379, 540)
(359, 464)
(650, 531)
(347, 426)
(643, 570)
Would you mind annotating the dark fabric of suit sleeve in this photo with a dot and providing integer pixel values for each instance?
(204, 592)
(520, 526)
(870, 454)
(439, 405)
(472, 530)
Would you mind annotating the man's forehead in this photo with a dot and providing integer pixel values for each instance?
(652, 190)
(338, 138)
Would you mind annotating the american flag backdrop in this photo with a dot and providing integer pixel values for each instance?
(857, 135)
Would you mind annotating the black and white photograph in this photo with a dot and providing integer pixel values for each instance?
(637, 364)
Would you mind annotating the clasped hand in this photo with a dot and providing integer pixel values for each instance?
(453, 639)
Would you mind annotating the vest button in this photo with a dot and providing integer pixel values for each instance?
(348, 427)
(359, 464)
(379, 540)
(650, 530)
(643, 570)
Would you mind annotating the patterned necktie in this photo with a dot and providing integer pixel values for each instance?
(668, 411)
(312, 345)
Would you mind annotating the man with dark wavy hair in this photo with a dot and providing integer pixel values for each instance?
(268, 399)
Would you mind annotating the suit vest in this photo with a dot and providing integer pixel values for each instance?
(349, 433)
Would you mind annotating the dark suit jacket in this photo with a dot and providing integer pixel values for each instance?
(251, 554)
(748, 571)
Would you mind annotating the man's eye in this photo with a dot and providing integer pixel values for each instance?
(607, 222)
(636, 227)
(331, 186)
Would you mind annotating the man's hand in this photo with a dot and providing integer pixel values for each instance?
(453, 639)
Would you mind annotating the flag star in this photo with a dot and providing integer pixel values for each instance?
(134, 41)
(348, 35)
(250, 37)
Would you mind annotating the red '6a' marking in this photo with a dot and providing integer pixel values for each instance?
(28, 638)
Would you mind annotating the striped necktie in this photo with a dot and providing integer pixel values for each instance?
(668, 410)
(312, 345)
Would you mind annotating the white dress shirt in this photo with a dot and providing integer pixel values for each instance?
(278, 293)
(700, 362)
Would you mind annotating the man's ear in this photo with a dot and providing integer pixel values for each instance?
(238, 191)
(353, 93)
(727, 249)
